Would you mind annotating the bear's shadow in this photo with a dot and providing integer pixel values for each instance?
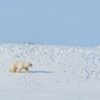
(44, 72)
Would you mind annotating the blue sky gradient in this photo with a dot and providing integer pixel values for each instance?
(54, 22)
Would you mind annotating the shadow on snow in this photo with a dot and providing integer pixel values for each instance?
(44, 72)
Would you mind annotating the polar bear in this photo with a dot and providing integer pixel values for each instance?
(20, 66)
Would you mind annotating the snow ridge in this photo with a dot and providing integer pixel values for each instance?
(73, 62)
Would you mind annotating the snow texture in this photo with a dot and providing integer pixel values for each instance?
(58, 73)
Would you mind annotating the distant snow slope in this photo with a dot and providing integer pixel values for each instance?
(58, 73)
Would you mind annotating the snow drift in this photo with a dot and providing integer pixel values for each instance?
(56, 70)
(74, 61)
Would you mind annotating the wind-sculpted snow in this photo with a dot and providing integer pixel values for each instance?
(75, 63)
(54, 67)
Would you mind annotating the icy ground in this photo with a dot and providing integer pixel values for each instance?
(58, 73)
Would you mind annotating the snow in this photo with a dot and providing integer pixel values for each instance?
(58, 72)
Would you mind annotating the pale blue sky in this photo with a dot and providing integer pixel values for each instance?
(61, 22)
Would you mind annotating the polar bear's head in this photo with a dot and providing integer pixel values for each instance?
(26, 64)
(30, 64)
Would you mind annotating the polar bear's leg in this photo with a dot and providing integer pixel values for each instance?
(13, 69)
(26, 69)
(19, 69)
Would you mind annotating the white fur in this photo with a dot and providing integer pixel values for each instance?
(19, 67)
